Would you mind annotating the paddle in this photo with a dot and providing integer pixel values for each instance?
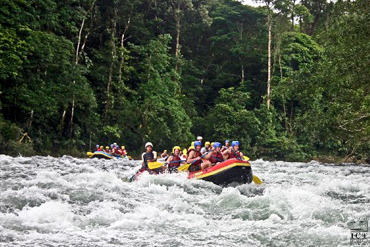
(256, 180)
(90, 154)
(185, 167)
(155, 165)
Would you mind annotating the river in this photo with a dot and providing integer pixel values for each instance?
(46, 201)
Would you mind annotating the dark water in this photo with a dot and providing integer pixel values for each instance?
(47, 201)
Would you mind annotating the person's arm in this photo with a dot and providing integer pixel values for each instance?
(142, 159)
(226, 152)
(192, 158)
(241, 155)
(208, 156)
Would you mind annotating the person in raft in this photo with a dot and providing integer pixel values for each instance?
(164, 155)
(194, 157)
(206, 148)
(148, 156)
(175, 160)
(107, 150)
(227, 146)
(214, 157)
(233, 151)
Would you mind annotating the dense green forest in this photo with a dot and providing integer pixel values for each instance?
(290, 79)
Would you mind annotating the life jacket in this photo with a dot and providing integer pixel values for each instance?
(234, 155)
(107, 151)
(224, 148)
(175, 161)
(119, 151)
(196, 165)
(147, 156)
(99, 149)
(216, 157)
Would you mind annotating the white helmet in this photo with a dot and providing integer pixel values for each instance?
(199, 138)
(148, 144)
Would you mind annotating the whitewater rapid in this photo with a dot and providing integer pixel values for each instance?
(46, 201)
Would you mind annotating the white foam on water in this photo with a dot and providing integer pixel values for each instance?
(49, 215)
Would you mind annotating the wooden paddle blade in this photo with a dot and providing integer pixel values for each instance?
(183, 168)
(256, 180)
(155, 165)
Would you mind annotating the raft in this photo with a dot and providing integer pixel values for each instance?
(101, 155)
(104, 155)
(227, 172)
(231, 171)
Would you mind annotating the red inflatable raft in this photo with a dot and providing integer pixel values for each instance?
(227, 172)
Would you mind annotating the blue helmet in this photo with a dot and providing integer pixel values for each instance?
(235, 143)
(216, 145)
(197, 143)
(97, 145)
(112, 145)
(227, 141)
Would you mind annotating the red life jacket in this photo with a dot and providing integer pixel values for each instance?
(224, 148)
(216, 157)
(197, 154)
(119, 151)
(234, 155)
(175, 161)
(99, 149)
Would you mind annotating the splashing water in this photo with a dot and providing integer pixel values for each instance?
(66, 201)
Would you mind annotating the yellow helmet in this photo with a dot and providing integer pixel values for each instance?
(185, 152)
(165, 151)
(212, 144)
(106, 147)
(175, 147)
(208, 143)
(101, 147)
(123, 147)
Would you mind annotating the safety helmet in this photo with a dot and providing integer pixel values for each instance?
(197, 143)
(199, 138)
(227, 141)
(185, 152)
(216, 145)
(101, 147)
(176, 147)
(208, 143)
(148, 144)
(111, 145)
(106, 147)
(212, 144)
(97, 145)
(115, 144)
(123, 147)
(165, 151)
(235, 143)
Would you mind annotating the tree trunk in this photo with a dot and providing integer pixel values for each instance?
(122, 46)
(178, 26)
(243, 77)
(74, 81)
(110, 75)
(269, 23)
